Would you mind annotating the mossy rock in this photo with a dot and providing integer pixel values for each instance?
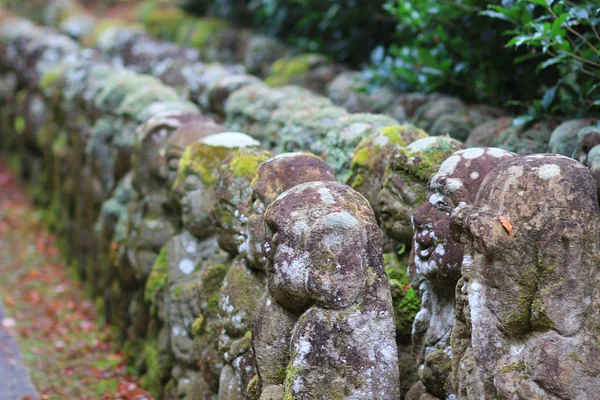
(198, 33)
(293, 69)
(164, 22)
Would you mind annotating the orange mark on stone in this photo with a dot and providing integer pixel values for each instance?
(506, 224)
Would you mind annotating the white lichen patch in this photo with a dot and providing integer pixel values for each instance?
(447, 168)
(474, 175)
(341, 220)
(514, 173)
(326, 195)
(230, 140)
(454, 184)
(548, 171)
(381, 140)
(436, 198)
(473, 153)
(498, 153)
(186, 266)
(299, 227)
(423, 144)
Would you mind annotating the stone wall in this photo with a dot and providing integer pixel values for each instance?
(316, 254)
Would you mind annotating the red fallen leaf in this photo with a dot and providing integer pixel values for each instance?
(33, 297)
(506, 224)
(9, 301)
(130, 391)
(34, 274)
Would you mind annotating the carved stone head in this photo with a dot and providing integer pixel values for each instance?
(273, 178)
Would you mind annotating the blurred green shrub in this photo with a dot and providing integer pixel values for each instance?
(562, 36)
(347, 30)
(448, 46)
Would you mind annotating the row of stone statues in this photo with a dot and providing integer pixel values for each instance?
(328, 255)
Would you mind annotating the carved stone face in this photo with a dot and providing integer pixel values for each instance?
(181, 138)
(273, 178)
(197, 175)
(372, 155)
(436, 255)
(405, 182)
(316, 246)
(234, 192)
(150, 163)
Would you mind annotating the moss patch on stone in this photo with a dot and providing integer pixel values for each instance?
(198, 32)
(285, 69)
(405, 300)
(158, 277)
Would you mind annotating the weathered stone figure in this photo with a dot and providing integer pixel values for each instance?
(195, 265)
(325, 267)
(271, 179)
(242, 291)
(527, 313)
(405, 182)
(436, 258)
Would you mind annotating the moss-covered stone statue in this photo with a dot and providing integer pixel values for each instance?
(195, 266)
(435, 263)
(243, 289)
(372, 155)
(405, 183)
(527, 315)
(243, 293)
(325, 269)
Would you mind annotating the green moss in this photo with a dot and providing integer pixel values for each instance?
(50, 78)
(210, 288)
(165, 22)
(19, 124)
(158, 277)
(246, 165)
(513, 367)
(402, 135)
(364, 158)
(529, 315)
(151, 380)
(405, 301)
(198, 326)
(358, 181)
(291, 373)
(202, 160)
(285, 69)
(253, 390)
(198, 32)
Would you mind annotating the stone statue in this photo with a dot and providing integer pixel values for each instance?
(195, 266)
(405, 182)
(527, 315)
(325, 269)
(435, 262)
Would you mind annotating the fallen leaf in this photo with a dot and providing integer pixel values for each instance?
(506, 224)
(9, 300)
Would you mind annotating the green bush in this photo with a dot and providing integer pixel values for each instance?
(562, 36)
(448, 46)
(347, 30)
(537, 55)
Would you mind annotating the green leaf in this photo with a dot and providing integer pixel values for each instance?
(523, 119)
(496, 15)
(557, 26)
(549, 97)
(538, 2)
(550, 62)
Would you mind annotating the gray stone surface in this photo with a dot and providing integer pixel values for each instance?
(15, 382)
